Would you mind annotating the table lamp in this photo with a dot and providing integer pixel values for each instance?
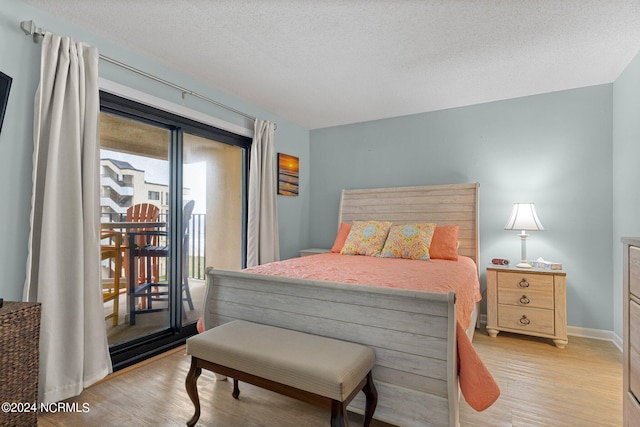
(523, 217)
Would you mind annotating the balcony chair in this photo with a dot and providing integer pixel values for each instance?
(144, 212)
(112, 251)
(149, 291)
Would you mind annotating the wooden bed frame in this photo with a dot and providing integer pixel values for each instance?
(412, 333)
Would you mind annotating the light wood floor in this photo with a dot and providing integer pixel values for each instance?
(540, 386)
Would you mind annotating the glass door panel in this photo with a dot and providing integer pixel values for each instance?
(212, 174)
(135, 204)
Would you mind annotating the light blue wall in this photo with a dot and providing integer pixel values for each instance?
(626, 179)
(554, 150)
(20, 59)
(572, 153)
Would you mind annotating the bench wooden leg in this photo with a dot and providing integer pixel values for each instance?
(339, 414)
(236, 389)
(192, 390)
(371, 393)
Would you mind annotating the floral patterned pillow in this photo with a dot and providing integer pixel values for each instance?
(366, 238)
(409, 241)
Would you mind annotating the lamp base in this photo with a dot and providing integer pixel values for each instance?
(524, 265)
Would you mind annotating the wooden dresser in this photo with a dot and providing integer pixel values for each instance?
(631, 331)
(527, 301)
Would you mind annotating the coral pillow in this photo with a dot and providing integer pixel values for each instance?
(444, 244)
(343, 233)
(366, 238)
(410, 241)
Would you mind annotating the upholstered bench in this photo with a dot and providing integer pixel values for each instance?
(323, 371)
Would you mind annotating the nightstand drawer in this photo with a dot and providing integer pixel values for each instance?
(525, 282)
(532, 297)
(526, 319)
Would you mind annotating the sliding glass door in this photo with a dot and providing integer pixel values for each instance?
(173, 197)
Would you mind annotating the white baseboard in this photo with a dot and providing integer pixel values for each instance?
(597, 334)
(578, 331)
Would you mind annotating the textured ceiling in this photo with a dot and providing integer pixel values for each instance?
(326, 63)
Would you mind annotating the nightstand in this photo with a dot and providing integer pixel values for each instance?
(527, 301)
(313, 251)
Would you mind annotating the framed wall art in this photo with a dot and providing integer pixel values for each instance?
(5, 86)
(288, 175)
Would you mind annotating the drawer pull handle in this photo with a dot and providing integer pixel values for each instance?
(523, 283)
(524, 300)
(524, 321)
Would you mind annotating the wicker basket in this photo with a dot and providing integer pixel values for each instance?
(19, 362)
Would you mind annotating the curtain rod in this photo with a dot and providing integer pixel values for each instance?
(30, 29)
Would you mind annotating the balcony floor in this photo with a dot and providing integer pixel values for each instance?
(150, 322)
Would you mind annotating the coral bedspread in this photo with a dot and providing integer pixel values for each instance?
(477, 385)
(436, 275)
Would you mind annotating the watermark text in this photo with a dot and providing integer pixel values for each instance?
(21, 407)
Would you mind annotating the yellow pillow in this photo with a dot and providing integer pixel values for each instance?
(410, 241)
(366, 238)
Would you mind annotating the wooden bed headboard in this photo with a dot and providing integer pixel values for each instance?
(449, 204)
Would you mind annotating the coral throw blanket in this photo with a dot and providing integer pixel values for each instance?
(436, 275)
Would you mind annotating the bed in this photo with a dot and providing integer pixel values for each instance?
(413, 332)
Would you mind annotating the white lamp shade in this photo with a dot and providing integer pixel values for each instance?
(523, 217)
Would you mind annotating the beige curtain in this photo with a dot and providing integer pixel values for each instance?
(263, 244)
(63, 265)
